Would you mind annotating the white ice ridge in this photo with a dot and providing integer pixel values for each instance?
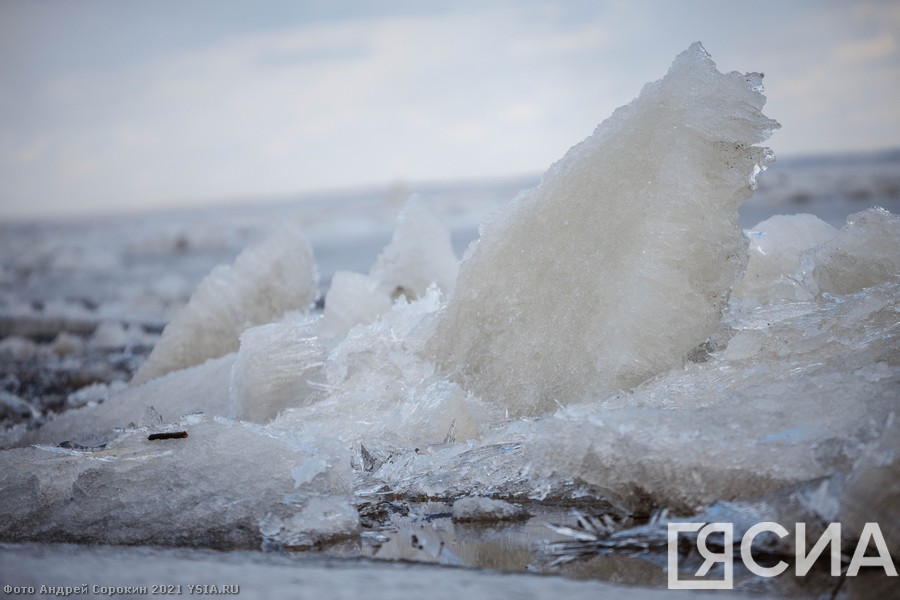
(265, 281)
(620, 261)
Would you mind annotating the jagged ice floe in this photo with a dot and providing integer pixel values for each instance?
(613, 332)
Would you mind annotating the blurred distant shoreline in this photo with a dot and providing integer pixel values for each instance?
(398, 189)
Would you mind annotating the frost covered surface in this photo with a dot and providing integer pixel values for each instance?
(620, 262)
(612, 289)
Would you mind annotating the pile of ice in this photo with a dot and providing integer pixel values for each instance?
(599, 341)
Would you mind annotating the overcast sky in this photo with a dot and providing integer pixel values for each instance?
(111, 105)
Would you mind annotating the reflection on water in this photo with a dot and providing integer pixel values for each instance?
(426, 533)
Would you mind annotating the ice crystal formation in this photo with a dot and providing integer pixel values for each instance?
(620, 261)
(599, 338)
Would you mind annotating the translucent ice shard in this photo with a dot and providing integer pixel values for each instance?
(620, 261)
(274, 369)
(352, 299)
(865, 253)
(377, 389)
(420, 254)
(776, 245)
(800, 257)
(320, 519)
(265, 281)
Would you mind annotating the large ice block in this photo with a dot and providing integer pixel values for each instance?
(621, 260)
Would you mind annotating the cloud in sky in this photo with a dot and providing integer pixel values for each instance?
(107, 105)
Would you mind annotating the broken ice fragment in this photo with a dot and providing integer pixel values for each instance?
(218, 483)
(419, 254)
(150, 418)
(321, 519)
(265, 281)
(620, 261)
(865, 252)
(274, 368)
(800, 257)
(353, 299)
(775, 248)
